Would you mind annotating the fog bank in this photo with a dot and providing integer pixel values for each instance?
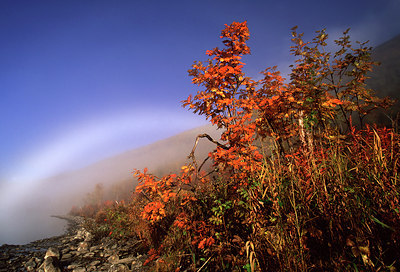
(25, 208)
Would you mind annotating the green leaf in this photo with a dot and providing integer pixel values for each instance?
(247, 267)
(376, 220)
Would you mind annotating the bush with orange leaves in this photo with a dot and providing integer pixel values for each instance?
(323, 196)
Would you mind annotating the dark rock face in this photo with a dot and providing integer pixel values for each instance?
(75, 251)
(385, 80)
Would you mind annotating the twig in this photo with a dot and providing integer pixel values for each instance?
(191, 155)
(202, 164)
(148, 198)
(210, 139)
(204, 264)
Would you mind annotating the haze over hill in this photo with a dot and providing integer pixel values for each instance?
(56, 195)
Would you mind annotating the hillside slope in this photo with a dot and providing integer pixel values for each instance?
(161, 157)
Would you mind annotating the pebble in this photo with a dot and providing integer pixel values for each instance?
(75, 251)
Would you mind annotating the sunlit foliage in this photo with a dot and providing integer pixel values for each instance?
(324, 196)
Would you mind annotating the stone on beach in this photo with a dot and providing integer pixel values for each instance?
(76, 250)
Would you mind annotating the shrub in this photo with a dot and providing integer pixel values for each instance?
(325, 197)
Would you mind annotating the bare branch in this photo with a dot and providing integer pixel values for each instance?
(210, 139)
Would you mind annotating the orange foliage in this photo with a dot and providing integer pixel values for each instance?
(307, 118)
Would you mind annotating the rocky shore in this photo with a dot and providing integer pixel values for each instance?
(75, 251)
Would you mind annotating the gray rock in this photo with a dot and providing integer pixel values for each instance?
(83, 246)
(30, 268)
(49, 265)
(74, 253)
(31, 263)
(119, 268)
(66, 257)
(88, 255)
(94, 263)
(52, 252)
(79, 269)
(113, 259)
(88, 236)
(73, 266)
(94, 248)
(127, 260)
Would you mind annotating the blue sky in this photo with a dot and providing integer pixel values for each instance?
(84, 80)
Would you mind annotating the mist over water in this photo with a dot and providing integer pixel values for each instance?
(26, 207)
(25, 213)
(22, 227)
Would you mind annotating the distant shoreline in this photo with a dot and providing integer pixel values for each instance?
(72, 224)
